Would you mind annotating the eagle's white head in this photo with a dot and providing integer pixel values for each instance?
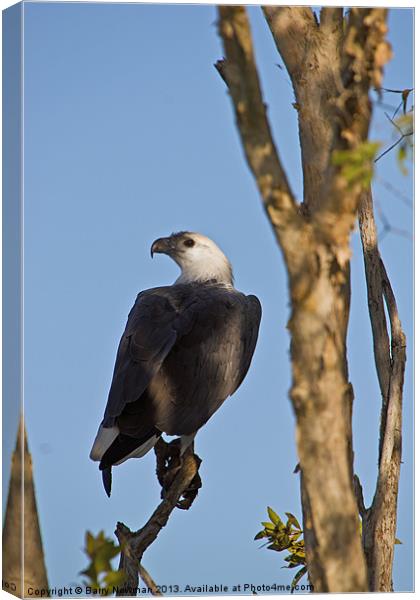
(198, 257)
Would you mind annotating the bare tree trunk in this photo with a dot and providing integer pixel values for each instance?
(331, 74)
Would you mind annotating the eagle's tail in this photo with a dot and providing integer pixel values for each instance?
(123, 448)
(107, 480)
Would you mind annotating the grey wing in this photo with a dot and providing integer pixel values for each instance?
(249, 336)
(209, 363)
(151, 331)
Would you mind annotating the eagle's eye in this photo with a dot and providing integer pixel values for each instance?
(189, 243)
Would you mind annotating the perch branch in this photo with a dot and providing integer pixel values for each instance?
(134, 544)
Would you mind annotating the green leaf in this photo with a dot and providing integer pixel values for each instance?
(273, 516)
(401, 157)
(283, 537)
(292, 520)
(90, 572)
(297, 578)
(356, 163)
(284, 546)
(116, 578)
(274, 546)
(89, 543)
(101, 550)
(397, 541)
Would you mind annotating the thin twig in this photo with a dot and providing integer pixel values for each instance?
(404, 135)
(401, 232)
(388, 228)
(398, 108)
(388, 186)
(148, 580)
(405, 94)
(397, 91)
(391, 120)
(384, 105)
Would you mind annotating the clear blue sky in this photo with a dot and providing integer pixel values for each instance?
(130, 135)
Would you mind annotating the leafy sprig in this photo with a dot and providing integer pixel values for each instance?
(101, 576)
(356, 164)
(285, 536)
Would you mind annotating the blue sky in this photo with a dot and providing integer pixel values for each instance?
(130, 135)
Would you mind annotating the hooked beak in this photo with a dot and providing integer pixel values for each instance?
(161, 246)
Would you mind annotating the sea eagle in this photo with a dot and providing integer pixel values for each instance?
(185, 349)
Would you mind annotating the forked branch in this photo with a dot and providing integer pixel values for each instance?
(238, 70)
(380, 520)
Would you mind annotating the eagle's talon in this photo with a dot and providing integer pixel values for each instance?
(168, 463)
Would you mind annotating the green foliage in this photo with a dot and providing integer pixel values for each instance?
(356, 164)
(285, 536)
(100, 574)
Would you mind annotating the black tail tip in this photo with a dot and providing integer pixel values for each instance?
(107, 480)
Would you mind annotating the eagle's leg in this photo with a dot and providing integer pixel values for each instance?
(169, 459)
(168, 462)
(191, 492)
